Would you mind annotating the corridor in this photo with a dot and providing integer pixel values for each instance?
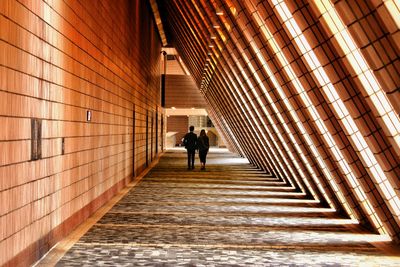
(229, 215)
(301, 98)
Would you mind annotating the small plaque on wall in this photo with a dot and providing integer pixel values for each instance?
(88, 115)
(62, 145)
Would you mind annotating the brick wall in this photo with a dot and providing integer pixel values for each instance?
(182, 92)
(179, 124)
(59, 59)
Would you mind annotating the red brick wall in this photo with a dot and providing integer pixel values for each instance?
(59, 59)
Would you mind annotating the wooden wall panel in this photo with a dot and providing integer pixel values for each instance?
(179, 124)
(59, 59)
(182, 92)
(174, 68)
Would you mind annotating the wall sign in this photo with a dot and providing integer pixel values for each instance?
(88, 115)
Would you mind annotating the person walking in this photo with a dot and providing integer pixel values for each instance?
(203, 145)
(190, 142)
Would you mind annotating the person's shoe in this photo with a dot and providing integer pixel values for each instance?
(203, 168)
(192, 167)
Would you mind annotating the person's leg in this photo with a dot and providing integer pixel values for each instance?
(201, 162)
(201, 156)
(189, 154)
(193, 156)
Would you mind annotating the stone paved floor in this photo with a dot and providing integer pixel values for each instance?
(229, 215)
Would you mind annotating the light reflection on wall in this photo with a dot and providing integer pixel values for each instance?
(52, 51)
(376, 94)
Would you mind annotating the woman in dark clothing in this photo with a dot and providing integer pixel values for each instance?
(203, 146)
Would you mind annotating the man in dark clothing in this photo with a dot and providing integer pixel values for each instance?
(190, 142)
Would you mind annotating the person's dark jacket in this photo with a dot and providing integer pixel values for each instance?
(190, 141)
(203, 143)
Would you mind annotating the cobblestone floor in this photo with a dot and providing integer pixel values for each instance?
(229, 215)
